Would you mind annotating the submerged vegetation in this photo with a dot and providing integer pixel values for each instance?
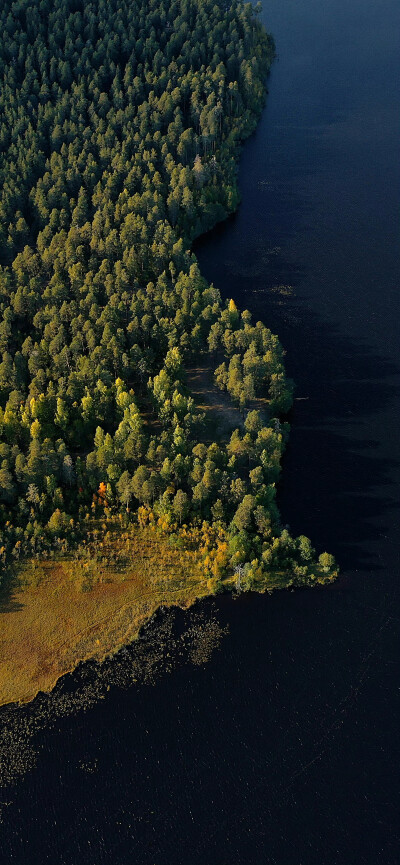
(119, 133)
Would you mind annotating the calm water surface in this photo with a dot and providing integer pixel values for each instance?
(284, 747)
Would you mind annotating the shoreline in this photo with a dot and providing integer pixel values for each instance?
(47, 680)
(43, 648)
(129, 594)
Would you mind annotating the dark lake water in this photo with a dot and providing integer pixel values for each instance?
(284, 747)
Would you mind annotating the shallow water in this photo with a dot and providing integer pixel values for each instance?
(283, 748)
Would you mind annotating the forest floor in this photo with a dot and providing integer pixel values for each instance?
(221, 414)
(55, 614)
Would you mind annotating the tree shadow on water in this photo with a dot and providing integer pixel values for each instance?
(341, 466)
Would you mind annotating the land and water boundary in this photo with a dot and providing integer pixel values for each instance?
(142, 437)
(88, 604)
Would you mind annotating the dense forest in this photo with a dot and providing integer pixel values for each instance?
(120, 122)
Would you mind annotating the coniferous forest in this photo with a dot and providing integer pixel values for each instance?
(120, 126)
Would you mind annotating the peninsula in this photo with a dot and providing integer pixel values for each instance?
(142, 419)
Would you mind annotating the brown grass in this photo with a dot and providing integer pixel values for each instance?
(54, 616)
